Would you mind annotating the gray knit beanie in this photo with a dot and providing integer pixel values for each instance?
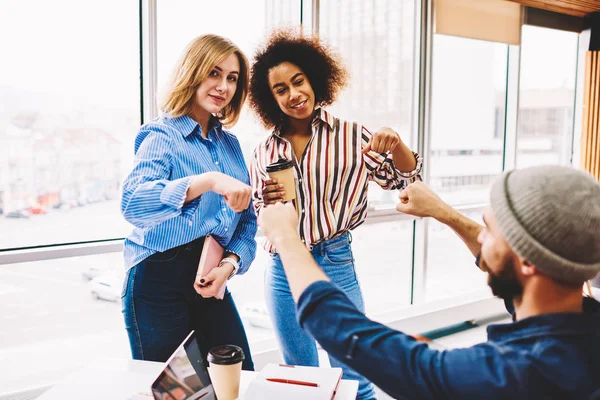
(550, 216)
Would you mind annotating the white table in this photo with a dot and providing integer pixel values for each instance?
(120, 379)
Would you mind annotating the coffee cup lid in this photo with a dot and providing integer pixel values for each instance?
(280, 165)
(226, 354)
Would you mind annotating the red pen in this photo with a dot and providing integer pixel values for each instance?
(293, 382)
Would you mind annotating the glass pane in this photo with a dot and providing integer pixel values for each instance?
(467, 117)
(280, 13)
(451, 269)
(69, 106)
(467, 138)
(54, 319)
(383, 253)
(546, 96)
(377, 41)
(246, 23)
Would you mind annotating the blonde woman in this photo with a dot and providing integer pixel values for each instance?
(189, 180)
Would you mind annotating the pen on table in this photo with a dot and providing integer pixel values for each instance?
(293, 382)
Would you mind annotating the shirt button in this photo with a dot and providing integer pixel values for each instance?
(299, 180)
(190, 223)
(216, 163)
(226, 229)
(224, 209)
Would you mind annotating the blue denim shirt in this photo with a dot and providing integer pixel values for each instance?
(548, 356)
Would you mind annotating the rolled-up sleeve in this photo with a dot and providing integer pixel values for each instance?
(149, 197)
(243, 242)
(382, 170)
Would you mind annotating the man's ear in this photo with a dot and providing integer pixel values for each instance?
(527, 268)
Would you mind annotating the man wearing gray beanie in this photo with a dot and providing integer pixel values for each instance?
(540, 244)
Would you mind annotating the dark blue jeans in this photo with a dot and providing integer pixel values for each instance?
(161, 307)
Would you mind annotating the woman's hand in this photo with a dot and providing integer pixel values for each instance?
(272, 192)
(211, 284)
(384, 140)
(236, 193)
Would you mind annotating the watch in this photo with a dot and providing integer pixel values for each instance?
(232, 261)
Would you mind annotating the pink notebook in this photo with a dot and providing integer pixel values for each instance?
(212, 254)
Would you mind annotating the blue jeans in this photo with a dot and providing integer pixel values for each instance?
(161, 307)
(298, 347)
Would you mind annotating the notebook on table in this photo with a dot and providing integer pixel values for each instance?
(211, 256)
(290, 382)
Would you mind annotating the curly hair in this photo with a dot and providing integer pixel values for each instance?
(322, 66)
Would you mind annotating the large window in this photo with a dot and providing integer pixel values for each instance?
(69, 107)
(546, 96)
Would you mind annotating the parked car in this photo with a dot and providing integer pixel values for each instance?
(255, 313)
(106, 287)
(90, 272)
(18, 214)
(37, 211)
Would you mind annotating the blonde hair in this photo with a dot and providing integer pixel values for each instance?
(197, 61)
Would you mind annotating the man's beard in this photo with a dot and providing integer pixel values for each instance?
(505, 283)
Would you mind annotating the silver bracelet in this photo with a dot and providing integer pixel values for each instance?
(232, 261)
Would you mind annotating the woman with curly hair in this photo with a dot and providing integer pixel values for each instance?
(292, 78)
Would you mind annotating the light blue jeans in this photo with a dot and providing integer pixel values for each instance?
(298, 348)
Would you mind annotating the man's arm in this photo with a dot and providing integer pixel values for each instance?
(279, 223)
(418, 200)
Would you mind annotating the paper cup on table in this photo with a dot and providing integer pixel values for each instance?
(283, 171)
(225, 370)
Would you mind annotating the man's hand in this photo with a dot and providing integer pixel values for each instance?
(278, 221)
(384, 140)
(418, 200)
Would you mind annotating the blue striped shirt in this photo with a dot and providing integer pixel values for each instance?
(168, 151)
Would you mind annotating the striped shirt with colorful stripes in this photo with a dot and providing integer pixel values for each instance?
(332, 176)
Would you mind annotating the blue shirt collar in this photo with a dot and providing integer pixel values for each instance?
(187, 125)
